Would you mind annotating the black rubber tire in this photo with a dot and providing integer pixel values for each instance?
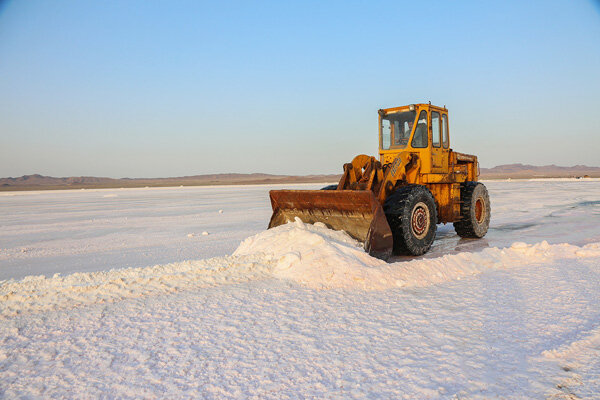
(330, 187)
(412, 216)
(475, 211)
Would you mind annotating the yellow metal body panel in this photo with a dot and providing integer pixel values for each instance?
(436, 166)
(356, 205)
(433, 160)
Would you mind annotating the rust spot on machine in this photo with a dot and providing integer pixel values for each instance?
(357, 212)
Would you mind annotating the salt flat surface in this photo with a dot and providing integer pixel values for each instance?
(298, 311)
(47, 232)
(93, 230)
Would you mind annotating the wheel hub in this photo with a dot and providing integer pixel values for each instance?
(479, 210)
(419, 220)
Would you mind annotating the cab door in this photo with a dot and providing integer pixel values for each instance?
(445, 143)
(438, 166)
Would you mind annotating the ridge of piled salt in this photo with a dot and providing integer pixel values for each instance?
(317, 257)
(309, 255)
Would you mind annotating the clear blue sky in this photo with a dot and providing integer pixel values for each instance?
(153, 89)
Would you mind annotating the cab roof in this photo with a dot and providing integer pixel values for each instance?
(415, 105)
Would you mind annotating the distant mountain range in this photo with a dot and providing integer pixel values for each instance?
(523, 171)
(40, 182)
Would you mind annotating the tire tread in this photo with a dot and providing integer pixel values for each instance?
(395, 208)
(465, 227)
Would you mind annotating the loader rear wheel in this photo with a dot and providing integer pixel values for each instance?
(412, 216)
(475, 211)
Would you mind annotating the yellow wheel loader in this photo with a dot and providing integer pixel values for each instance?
(393, 204)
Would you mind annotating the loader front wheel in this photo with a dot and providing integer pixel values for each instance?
(412, 216)
(475, 211)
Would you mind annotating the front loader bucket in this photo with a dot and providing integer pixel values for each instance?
(357, 212)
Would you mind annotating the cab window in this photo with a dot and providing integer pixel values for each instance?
(420, 136)
(386, 134)
(435, 129)
(445, 140)
(396, 128)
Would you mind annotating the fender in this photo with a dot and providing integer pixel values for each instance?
(404, 168)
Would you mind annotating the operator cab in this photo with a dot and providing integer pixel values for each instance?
(417, 128)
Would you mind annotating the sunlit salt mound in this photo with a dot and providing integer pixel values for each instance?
(317, 257)
(312, 255)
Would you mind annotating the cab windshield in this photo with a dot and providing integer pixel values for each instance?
(396, 129)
